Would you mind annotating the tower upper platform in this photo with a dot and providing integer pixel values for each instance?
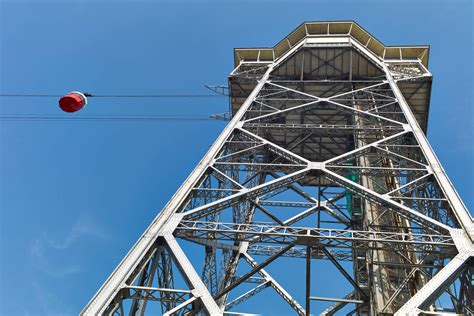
(338, 51)
(333, 29)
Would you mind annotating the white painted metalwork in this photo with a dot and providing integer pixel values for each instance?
(325, 158)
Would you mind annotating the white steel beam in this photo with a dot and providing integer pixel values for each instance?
(101, 300)
(340, 145)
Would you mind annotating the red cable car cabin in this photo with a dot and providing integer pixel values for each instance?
(73, 102)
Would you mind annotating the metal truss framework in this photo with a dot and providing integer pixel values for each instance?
(325, 161)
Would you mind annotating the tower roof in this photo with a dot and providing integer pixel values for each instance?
(333, 29)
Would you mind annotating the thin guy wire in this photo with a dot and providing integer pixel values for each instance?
(101, 118)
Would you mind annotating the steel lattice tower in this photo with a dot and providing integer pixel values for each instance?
(325, 161)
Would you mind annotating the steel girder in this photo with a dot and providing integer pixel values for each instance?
(324, 160)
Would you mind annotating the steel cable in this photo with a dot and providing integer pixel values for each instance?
(119, 95)
(22, 117)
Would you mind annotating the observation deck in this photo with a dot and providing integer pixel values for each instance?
(344, 54)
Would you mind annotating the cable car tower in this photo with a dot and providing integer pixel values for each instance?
(324, 167)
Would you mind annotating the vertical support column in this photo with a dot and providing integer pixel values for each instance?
(191, 275)
(447, 187)
(434, 287)
(164, 221)
(308, 280)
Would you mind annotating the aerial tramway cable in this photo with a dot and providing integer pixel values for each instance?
(116, 95)
(75, 101)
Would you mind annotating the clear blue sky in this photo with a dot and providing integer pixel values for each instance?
(75, 196)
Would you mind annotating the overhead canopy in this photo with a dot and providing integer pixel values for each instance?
(339, 28)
